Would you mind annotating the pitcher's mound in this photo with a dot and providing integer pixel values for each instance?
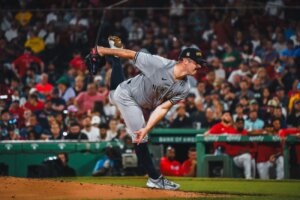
(22, 188)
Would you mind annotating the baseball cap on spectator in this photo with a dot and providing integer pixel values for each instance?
(72, 108)
(272, 103)
(257, 59)
(194, 54)
(98, 78)
(253, 101)
(63, 80)
(32, 90)
(95, 120)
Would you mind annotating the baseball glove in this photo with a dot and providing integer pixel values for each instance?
(93, 60)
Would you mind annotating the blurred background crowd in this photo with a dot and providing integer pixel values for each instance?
(252, 48)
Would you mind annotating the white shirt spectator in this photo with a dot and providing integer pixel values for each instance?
(274, 8)
(111, 135)
(82, 22)
(237, 72)
(93, 134)
(177, 8)
(42, 33)
(11, 34)
(51, 17)
(5, 24)
(110, 110)
(294, 39)
(279, 47)
(50, 39)
(220, 74)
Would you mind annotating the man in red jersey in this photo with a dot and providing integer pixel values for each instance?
(188, 167)
(168, 165)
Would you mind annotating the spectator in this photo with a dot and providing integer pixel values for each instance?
(91, 131)
(295, 96)
(23, 17)
(294, 117)
(56, 133)
(200, 90)
(254, 125)
(209, 119)
(42, 115)
(241, 72)
(65, 92)
(4, 123)
(77, 62)
(231, 58)
(34, 104)
(17, 112)
(79, 85)
(35, 43)
(168, 165)
(103, 132)
(190, 103)
(182, 118)
(43, 86)
(85, 100)
(112, 131)
(11, 33)
(198, 116)
(23, 63)
(280, 43)
(245, 91)
(75, 133)
(72, 114)
(33, 129)
(239, 113)
(189, 166)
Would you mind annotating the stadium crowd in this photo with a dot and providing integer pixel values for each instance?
(252, 74)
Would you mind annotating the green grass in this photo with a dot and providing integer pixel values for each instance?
(239, 188)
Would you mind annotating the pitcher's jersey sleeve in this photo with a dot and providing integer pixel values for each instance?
(149, 63)
(182, 95)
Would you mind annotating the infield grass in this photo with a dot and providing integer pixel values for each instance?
(240, 189)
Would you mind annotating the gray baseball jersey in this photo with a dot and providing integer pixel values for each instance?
(155, 84)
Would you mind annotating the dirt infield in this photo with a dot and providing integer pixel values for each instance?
(22, 188)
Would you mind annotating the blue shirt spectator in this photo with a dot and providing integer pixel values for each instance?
(253, 123)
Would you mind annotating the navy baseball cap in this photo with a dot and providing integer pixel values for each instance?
(194, 54)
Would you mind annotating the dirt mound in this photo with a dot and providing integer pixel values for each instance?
(22, 188)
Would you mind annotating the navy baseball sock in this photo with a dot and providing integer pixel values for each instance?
(145, 159)
(117, 74)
